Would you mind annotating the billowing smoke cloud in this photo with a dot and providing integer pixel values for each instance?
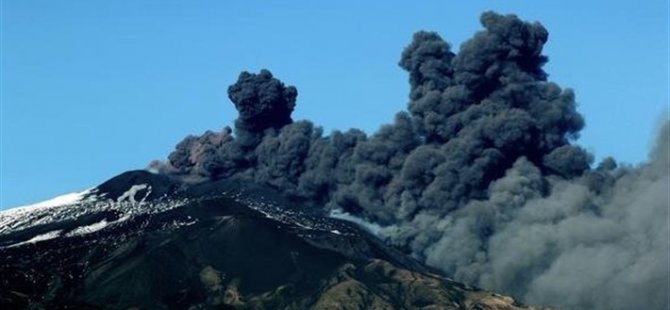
(478, 177)
(262, 102)
(598, 242)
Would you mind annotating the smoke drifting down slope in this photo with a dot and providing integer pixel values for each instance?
(478, 177)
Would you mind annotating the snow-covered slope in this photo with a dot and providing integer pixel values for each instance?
(61, 200)
(13, 218)
(133, 194)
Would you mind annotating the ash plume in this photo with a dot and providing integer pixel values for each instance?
(263, 102)
(479, 177)
(584, 245)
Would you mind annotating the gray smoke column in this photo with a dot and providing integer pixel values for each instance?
(479, 177)
(597, 242)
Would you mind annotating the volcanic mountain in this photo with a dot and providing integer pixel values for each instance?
(480, 177)
(147, 241)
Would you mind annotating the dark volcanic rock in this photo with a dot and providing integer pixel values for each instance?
(218, 251)
(160, 185)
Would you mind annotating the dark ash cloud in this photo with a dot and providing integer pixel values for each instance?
(479, 177)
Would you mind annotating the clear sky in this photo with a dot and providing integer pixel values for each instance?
(93, 88)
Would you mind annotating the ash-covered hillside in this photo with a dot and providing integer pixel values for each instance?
(146, 241)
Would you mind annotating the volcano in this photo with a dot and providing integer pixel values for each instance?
(148, 241)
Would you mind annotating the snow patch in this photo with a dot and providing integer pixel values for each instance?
(62, 200)
(123, 218)
(130, 193)
(38, 238)
(88, 229)
(14, 217)
(267, 215)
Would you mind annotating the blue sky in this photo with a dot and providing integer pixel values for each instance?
(93, 88)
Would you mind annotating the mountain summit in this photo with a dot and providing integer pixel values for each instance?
(480, 177)
(146, 241)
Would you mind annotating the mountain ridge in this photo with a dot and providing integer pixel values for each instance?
(169, 245)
